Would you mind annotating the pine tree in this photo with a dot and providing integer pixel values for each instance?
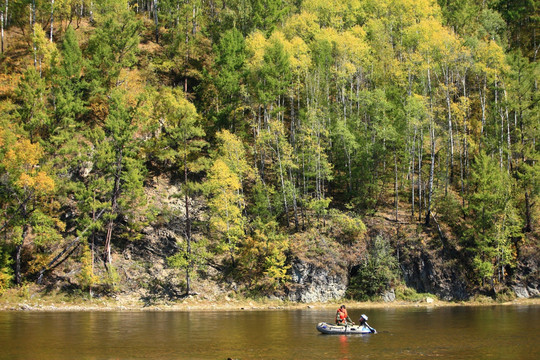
(493, 220)
(113, 46)
(69, 87)
(231, 71)
(180, 142)
(119, 168)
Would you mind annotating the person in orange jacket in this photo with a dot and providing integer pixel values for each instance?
(342, 317)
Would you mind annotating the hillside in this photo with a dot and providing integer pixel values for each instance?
(296, 150)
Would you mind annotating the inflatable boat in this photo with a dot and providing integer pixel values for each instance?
(327, 328)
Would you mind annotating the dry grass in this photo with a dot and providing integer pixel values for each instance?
(31, 298)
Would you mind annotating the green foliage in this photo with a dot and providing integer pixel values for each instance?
(274, 75)
(263, 256)
(345, 228)
(289, 111)
(407, 294)
(111, 280)
(505, 296)
(192, 259)
(87, 278)
(494, 220)
(6, 272)
(68, 85)
(376, 273)
(113, 45)
(178, 136)
(32, 109)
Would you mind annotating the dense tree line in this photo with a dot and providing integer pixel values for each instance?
(292, 119)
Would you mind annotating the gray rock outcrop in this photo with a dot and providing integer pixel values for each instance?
(315, 284)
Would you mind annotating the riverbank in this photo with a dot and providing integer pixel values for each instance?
(15, 301)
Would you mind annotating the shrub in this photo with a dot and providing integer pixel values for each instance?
(376, 273)
(505, 296)
(409, 294)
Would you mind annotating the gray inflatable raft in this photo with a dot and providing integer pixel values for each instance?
(327, 328)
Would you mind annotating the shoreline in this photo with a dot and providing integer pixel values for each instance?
(130, 304)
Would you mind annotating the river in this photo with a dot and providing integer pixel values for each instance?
(460, 332)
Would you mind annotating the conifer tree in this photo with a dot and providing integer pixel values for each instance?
(494, 221)
(180, 142)
(113, 45)
(69, 87)
(231, 70)
(118, 163)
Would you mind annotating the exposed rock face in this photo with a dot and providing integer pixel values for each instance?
(389, 296)
(315, 284)
(527, 282)
(427, 275)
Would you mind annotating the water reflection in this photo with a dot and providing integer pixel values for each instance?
(344, 347)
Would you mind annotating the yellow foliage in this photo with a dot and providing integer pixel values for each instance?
(44, 49)
(25, 181)
(23, 155)
(233, 154)
(412, 11)
(490, 59)
(223, 178)
(299, 55)
(255, 44)
(339, 14)
(43, 183)
(303, 25)
(21, 161)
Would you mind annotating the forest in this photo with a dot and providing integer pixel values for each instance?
(284, 126)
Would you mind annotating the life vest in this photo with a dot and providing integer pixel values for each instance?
(341, 316)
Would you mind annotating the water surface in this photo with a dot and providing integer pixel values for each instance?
(498, 332)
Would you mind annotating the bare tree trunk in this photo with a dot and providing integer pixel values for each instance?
(6, 14)
(18, 250)
(431, 172)
(92, 12)
(420, 155)
(114, 206)
(396, 195)
(188, 224)
(432, 142)
(412, 172)
(508, 137)
(450, 130)
(186, 57)
(295, 204)
(32, 22)
(528, 223)
(156, 21)
(2, 40)
(282, 182)
(483, 104)
(52, 21)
